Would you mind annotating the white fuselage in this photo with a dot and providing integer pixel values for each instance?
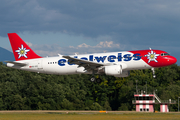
(60, 65)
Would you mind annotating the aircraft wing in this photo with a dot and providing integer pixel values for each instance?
(88, 65)
(16, 63)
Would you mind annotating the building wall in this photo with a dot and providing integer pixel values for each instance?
(142, 105)
(164, 108)
(144, 108)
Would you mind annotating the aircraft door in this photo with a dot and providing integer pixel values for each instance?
(40, 62)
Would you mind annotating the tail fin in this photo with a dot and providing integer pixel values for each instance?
(20, 49)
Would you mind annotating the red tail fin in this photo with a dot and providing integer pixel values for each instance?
(20, 49)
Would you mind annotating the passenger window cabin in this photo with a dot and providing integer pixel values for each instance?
(52, 62)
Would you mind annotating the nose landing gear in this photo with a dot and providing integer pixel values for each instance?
(153, 71)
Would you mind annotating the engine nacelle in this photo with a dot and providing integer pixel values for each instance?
(114, 70)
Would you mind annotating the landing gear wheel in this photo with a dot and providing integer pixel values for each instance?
(92, 79)
(98, 80)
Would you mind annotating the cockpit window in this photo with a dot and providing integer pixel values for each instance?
(164, 54)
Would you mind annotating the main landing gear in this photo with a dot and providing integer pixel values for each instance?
(93, 79)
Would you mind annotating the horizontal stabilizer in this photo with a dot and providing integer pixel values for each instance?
(16, 63)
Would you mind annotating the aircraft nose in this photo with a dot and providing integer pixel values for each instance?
(172, 60)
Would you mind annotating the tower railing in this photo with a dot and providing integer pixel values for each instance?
(157, 98)
(169, 101)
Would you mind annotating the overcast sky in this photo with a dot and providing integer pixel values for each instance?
(54, 27)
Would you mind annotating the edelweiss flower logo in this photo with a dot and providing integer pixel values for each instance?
(152, 56)
(22, 52)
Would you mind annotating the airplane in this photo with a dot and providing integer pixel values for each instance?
(117, 64)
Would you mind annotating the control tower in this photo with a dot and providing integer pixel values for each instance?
(145, 102)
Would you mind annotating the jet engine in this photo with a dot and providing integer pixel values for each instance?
(113, 70)
(116, 70)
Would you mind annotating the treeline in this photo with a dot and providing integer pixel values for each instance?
(22, 90)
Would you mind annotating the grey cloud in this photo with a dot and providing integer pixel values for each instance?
(54, 50)
(137, 22)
